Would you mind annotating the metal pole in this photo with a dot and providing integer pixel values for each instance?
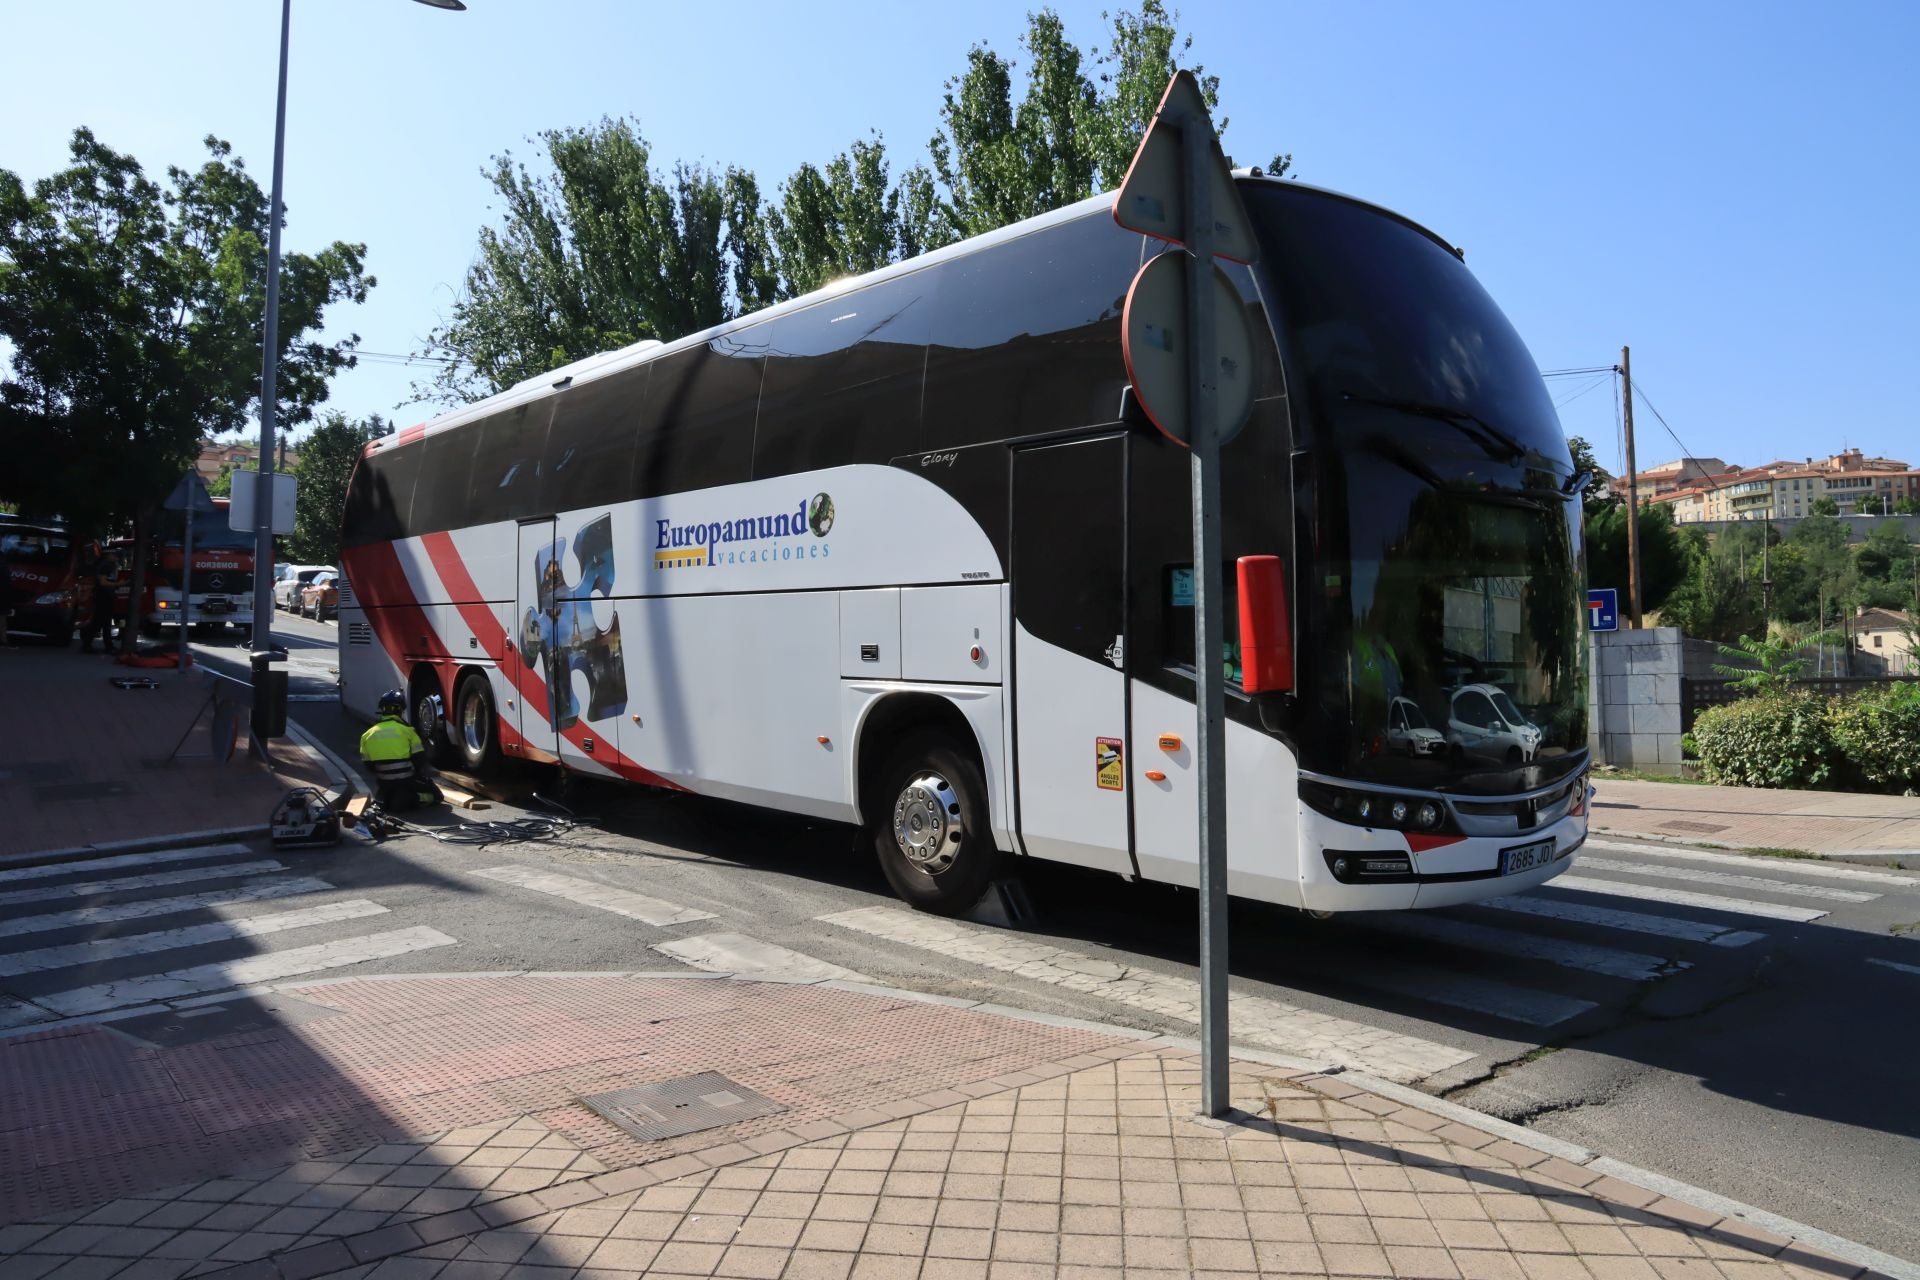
(1210, 702)
(186, 583)
(269, 385)
(1633, 494)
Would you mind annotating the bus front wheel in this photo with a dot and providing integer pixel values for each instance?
(428, 720)
(475, 727)
(930, 826)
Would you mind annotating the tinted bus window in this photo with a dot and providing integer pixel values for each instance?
(505, 482)
(1026, 335)
(843, 379)
(440, 491)
(380, 497)
(698, 429)
(589, 450)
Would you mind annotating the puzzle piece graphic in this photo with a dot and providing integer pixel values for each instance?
(560, 636)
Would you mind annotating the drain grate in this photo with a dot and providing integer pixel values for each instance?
(201, 1023)
(1703, 828)
(686, 1104)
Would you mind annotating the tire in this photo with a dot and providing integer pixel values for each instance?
(423, 701)
(475, 725)
(937, 861)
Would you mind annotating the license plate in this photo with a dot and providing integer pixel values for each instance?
(1526, 857)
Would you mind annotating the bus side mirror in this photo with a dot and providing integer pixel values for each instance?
(1266, 635)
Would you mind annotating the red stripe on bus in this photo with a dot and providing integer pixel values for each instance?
(481, 621)
(411, 434)
(1420, 842)
(375, 573)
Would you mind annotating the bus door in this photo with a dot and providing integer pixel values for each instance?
(536, 616)
(1070, 652)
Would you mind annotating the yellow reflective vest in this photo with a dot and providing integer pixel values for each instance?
(389, 746)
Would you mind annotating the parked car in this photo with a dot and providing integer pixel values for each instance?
(290, 579)
(1482, 721)
(320, 598)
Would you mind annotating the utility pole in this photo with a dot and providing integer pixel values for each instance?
(1633, 496)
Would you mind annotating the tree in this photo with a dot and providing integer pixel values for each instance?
(221, 486)
(843, 220)
(1663, 555)
(1599, 491)
(134, 314)
(1871, 504)
(1883, 568)
(1907, 506)
(1823, 506)
(327, 457)
(1771, 662)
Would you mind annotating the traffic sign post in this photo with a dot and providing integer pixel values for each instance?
(188, 498)
(1178, 188)
(1603, 609)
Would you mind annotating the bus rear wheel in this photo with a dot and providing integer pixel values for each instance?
(475, 727)
(930, 825)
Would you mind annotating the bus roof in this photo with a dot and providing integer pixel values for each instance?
(596, 366)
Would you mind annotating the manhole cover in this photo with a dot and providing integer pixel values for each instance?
(687, 1104)
(206, 1022)
(1704, 828)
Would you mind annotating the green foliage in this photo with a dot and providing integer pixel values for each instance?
(1823, 506)
(1908, 506)
(1884, 568)
(1872, 504)
(1879, 732)
(221, 486)
(599, 249)
(327, 458)
(1771, 662)
(1776, 740)
(1599, 492)
(1663, 555)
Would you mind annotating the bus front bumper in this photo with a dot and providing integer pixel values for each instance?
(1349, 868)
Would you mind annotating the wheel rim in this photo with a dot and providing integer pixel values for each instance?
(926, 823)
(426, 715)
(474, 724)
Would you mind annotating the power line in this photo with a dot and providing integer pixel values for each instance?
(1574, 373)
(1561, 404)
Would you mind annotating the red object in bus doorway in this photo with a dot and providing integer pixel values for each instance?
(1266, 636)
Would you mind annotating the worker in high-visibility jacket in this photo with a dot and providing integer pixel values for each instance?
(397, 758)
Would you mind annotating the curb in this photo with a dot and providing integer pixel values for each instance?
(1817, 855)
(1575, 1158)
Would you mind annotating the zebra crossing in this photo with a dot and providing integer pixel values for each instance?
(110, 935)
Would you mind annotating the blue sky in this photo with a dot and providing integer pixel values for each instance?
(1730, 188)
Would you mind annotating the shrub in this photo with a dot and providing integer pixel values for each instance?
(1879, 732)
(1775, 740)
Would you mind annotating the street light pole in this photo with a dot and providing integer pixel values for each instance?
(269, 385)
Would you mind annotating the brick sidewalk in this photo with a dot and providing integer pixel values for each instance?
(1834, 823)
(85, 763)
(922, 1141)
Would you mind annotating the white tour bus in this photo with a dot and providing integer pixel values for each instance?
(903, 553)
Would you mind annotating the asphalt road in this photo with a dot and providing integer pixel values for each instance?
(1743, 1025)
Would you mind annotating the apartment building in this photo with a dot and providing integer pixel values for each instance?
(1783, 489)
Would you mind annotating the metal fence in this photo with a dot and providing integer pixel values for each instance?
(1697, 695)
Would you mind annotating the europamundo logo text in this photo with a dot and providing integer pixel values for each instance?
(746, 539)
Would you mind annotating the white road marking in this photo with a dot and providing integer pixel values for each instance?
(154, 880)
(120, 861)
(1894, 964)
(1631, 921)
(79, 953)
(269, 967)
(588, 893)
(1478, 995)
(1796, 866)
(1682, 898)
(737, 953)
(1749, 884)
(1635, 966)
(210, 900)
(1270, 1024)
(14, 1014)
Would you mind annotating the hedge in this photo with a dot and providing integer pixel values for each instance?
(1794, 738)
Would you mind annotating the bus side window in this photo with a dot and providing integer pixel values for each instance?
(697, 431)
(843, 379)
(1026, 334)
(591, 441)
(505, 483)
(439, 496)
(379, 503)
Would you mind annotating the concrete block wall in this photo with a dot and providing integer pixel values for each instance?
(1633, 704)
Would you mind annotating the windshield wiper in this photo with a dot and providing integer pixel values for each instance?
(1471, 425)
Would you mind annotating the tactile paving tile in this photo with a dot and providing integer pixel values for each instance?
(686, 1104)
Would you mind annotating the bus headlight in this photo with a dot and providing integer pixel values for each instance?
(1364, 808)
(1427, 816)
(1398, 812)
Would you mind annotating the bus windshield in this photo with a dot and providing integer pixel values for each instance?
(1444, 571)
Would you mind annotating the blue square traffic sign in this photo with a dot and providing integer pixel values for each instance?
(1603, 609)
